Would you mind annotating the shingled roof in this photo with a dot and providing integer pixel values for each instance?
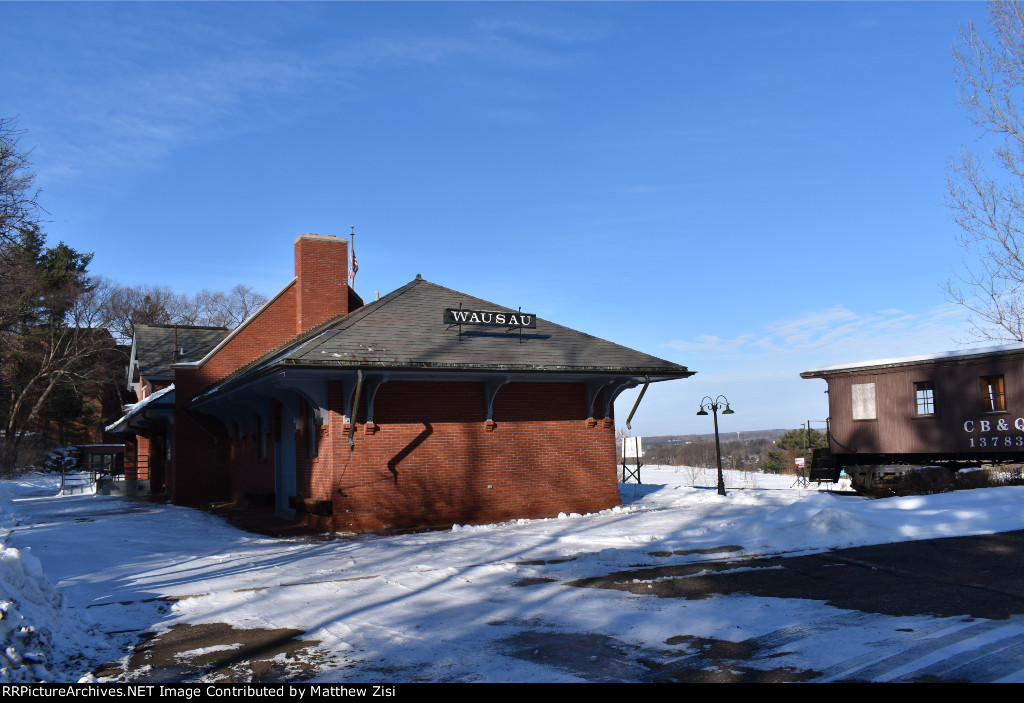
(404, 330)
(154, 347)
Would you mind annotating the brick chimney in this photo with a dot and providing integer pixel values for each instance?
(321, 270)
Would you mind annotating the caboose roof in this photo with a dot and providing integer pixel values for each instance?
(958, 354)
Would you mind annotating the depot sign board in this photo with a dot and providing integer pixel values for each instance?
(489, 318)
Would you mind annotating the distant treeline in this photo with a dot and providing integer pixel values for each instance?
(774, 451)
(658, 440)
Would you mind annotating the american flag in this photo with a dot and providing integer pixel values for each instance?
(354, 269)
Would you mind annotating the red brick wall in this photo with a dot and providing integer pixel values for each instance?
(131, 456)
(272, 328)
(148, 388)
(432, 459)
(321, 273)
(319, 293)
(198, 473)
(143, 449)
(249, 472)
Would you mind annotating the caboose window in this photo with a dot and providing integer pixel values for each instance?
(993, 395)
(925, 398)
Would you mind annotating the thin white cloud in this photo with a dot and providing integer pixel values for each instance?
(815, 321)
(711, 343)
(110, 93)
(563, 30)
(639, 189)
(759, 370)
(839, 332)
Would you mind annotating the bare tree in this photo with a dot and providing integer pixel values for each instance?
(243, 302)
(986, 186)
(18, 196)
(53, 333)
(209, 308)
(132, 305)
(52, 329)
(230, 309)
(56, 322)
(159, 305)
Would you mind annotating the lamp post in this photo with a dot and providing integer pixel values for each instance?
(713, 405)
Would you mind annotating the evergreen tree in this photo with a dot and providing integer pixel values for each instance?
(801, 439)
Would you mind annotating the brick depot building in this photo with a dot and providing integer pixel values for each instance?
(147, 426)
(362, 417)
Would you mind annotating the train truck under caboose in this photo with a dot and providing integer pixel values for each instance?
(922, 417)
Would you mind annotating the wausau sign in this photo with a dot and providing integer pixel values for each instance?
(490, 318)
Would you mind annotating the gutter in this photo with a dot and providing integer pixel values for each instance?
(444, 369)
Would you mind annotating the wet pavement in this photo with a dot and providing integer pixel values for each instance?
(974, 586)
(218, 652)
(979, 577)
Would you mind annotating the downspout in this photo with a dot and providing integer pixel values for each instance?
(355, 410)
(647, 382)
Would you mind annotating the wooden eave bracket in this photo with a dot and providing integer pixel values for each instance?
(313, 390)
(614, 386)
(491, 388)
(371, 384)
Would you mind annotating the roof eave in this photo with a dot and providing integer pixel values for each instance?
(681, 372)
(653, 374)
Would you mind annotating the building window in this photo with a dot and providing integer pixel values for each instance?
(261, 438)
(863, 401)
(993, 393)
(925, 392)
(314, 433)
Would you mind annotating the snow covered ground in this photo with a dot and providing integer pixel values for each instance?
(81, 575)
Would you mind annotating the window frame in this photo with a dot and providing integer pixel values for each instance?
(261, 437)
(314, 432)
(993, 393)
(924, 398)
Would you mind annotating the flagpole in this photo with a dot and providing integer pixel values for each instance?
(353, 264)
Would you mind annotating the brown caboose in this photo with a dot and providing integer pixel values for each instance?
(953, 409)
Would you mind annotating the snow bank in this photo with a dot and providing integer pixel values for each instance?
(41, 639)
(26, 598)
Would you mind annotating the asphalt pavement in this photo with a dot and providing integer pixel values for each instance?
(976, 582)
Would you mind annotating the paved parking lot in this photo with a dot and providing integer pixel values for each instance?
(978, 579)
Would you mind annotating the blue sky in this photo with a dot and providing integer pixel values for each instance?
(749, 189)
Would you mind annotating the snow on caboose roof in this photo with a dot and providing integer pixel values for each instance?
(918, 359)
